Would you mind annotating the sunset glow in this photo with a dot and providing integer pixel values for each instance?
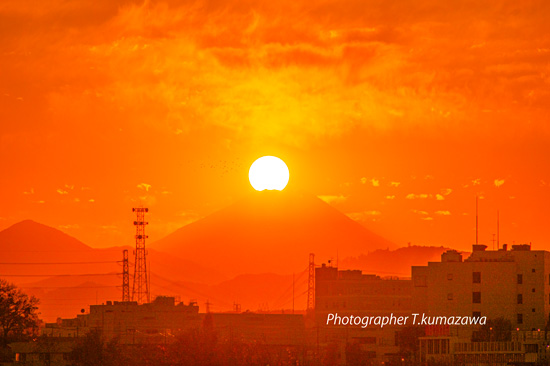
(265, 139)
(398, 116)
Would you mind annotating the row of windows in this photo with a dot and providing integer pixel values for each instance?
(476, 277)
(476, 297)
(519, 317)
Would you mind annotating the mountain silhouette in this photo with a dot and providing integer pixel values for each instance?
(270, 231)
(31, 242)
(258, 241)
(30, 236)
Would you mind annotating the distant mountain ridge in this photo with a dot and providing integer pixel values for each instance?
(267, 290)
(31, 236)
(270, 231)
(394, 262)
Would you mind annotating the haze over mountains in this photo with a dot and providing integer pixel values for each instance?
(32, 242)
(273, 231)
(246, 253)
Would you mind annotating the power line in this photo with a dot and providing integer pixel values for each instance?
(58, 263)
(67, 299)
(47, 251)
(59, 287)
(63, 275)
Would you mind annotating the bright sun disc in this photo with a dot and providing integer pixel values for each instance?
(268, 172)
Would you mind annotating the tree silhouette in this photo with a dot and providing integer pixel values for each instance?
(93, 350)
(17, 311)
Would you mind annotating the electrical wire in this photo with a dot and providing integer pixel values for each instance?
(62, 275)
(59, 263)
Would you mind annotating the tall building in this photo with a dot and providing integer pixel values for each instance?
(512, 284)
(350, 292)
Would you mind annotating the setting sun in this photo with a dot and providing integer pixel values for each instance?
(268, 172)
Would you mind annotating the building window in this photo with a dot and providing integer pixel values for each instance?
(449, 296)
(476, 278)
(533, 290)
(476, 314)
(520, 298)
(476, 297)
(420, 281)
(450, 276)
(533, 270)
(520, 279)
(520, 318)
(533, 310)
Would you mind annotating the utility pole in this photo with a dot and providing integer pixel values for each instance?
(140, 289)
(311, 283)
(125, 277)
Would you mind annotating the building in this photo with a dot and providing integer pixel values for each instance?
(159, 323)
(131, 323)
(512, 284)
(45, 352)
(285, 330)
(523, 348)
(350, 292)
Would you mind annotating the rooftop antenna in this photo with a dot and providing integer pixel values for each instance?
(498, 229)
(477, 201)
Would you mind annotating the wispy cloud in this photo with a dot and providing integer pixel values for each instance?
(369, 215)
(330, 199)
(412, 196)
(144, 186)
(69, 226)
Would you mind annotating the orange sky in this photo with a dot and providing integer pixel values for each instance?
(397, 114)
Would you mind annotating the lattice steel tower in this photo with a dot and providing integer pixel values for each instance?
(311, 283)
(125, 277)
(140, 289)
